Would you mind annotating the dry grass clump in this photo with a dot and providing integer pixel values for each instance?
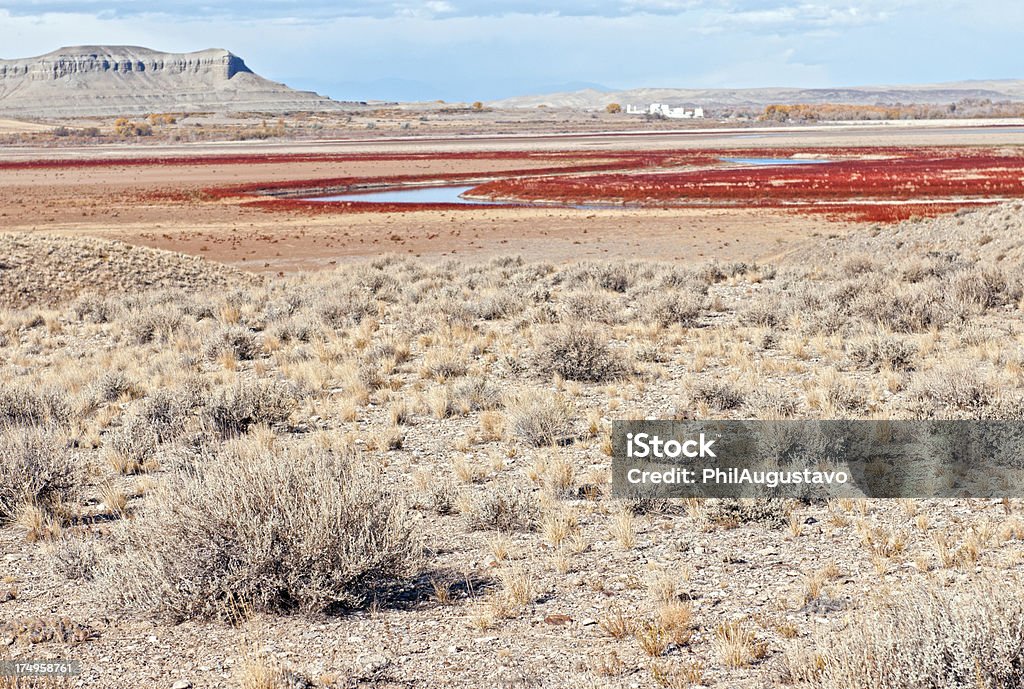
(555, 473)
(112, 386)
(539, 417)
(234, 341)
(260, 672)
(503, 507)
(577, 351)
(344, 309)
(985, 287)
(962, 637)
(953, 387)
(131, 449)
(675, 307)
(653, 638)
(233, 410)
(884, 351)
(75, 558)
(158, 324)
(518, 589)
(36, 469)
(596, 307)
(443, 363)
(22, 405)
(475, 394)
(167, 410)
(676, 618)
(251, 528)
(737, 645)
(719, 395)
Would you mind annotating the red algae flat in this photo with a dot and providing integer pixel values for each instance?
(868, 184)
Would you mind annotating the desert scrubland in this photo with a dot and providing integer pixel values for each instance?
(252, 440)
(395, 472)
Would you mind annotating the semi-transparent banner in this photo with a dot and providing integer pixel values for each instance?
(818, 459)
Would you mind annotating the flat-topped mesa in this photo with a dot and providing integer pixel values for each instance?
(126, 80)
(122, 60)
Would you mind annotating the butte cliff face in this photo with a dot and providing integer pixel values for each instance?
(128, 80)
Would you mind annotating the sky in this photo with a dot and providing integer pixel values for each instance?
(467, 50)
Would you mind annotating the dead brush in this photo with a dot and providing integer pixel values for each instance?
(502, 506)
(475, 394)
(131, 449)
(538, 417)
(467, 471)
(236, 342)
(681, 676)
(233, 410)
(21, 405)
(38, 524)
(736, 645)
(616, 624)
(554, 473)
(676, 619)
(578, 352)
(205, 530)
(557, 526)
(927, 634)
(718, 395)
(444, 362)
(259, 672)
(492, 426)
(37, 469)
(623, 529)
(518, 589)
(653, 638)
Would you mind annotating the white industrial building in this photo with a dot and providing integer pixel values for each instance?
(665, 110)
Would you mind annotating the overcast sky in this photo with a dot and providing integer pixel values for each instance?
(477, 50)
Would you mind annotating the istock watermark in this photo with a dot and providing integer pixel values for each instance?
(821, 459)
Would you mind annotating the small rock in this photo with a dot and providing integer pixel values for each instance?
(588, 622)
(182, 684)
(557, 619)
(374, 664)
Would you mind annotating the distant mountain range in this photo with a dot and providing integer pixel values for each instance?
(87, 81)
(129, 80)
(594, 99)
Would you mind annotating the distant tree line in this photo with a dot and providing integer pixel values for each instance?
(962, 109)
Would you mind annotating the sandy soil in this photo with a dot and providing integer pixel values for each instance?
(17, 127)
